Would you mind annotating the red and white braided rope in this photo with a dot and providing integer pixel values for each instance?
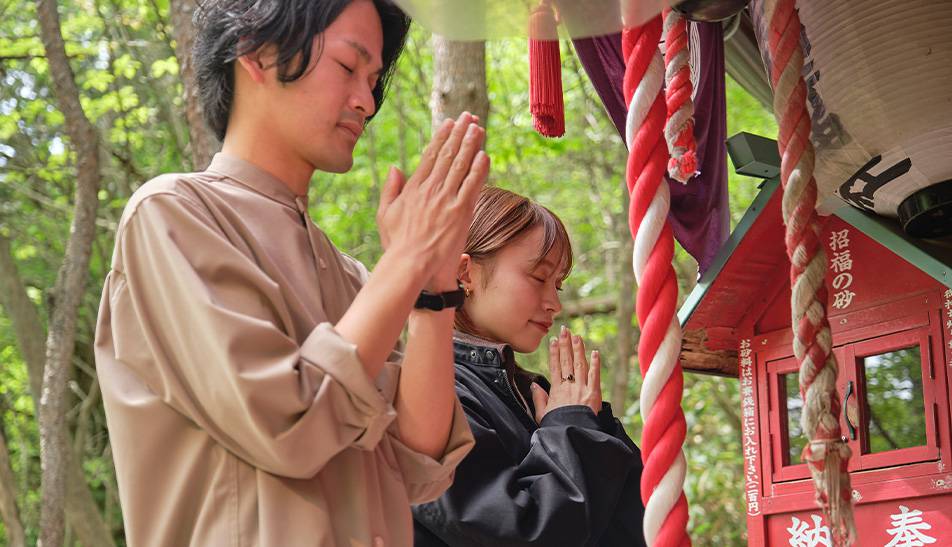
(662, 484)
(679, 129)
(826, 454)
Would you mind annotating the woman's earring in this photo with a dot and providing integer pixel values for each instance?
(467, 292)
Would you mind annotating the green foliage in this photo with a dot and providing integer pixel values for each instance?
(126, 70)
(895, 410)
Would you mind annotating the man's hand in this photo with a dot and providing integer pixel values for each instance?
(574, 382)
(427, 217)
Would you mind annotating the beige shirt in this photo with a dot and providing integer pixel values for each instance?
(237, 415)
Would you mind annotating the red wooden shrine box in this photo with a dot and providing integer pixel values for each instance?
(891, 317)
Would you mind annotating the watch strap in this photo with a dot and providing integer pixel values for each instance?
(440, 300)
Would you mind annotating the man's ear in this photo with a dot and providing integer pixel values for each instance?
(253, 66)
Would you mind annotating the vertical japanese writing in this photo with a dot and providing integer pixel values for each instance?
(749, 437)
(827, 130)
(841, 264)
(947, 309)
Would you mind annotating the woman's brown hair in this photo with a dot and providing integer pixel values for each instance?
(500, 219)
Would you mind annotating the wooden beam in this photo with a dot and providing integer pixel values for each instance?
(697, 357)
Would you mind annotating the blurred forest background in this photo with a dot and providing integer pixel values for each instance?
(94, 101)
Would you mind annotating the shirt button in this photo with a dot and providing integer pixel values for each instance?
(473, 356)
(491, 355)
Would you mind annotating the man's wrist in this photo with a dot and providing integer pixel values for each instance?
(408, 261)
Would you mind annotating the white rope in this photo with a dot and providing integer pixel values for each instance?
(661, 367)
(694, 46)
(683, 115)
(664, 497)
(645, 94)
(650, 229)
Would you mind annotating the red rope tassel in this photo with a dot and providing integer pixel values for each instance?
(545, 74)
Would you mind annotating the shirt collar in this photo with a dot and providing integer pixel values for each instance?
(255, 178)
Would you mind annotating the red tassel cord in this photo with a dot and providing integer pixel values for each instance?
(545, 73)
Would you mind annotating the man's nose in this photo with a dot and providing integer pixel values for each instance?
(362, 100)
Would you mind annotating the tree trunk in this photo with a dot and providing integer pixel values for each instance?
(70, 283)
(8, 499)
(81, 509)
(202, 142)
(627, 334)
(595, 305)
(27, 327)
(459, 80)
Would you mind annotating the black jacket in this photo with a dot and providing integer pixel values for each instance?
(573, 480)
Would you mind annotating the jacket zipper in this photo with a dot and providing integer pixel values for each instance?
(512, 394)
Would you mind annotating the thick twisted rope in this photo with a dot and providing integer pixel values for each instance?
(679, 129)
(826, 454)
(662, 482)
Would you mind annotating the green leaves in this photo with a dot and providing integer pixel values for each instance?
(161, 67)
(124, 65)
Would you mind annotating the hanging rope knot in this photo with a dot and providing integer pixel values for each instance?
(828, 460)
(545, 73)
(826, 455)
(679, 127)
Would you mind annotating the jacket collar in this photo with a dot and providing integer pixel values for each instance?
(473, 350)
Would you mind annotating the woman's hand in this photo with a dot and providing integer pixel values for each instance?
(426, 218)
(574, 382)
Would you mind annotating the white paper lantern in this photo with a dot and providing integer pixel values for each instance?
(879, 80)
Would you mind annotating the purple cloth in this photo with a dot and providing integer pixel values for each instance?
(699, 210)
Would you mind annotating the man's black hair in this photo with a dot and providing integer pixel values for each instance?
(228, 29)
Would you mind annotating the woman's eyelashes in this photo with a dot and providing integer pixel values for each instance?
(543, 279)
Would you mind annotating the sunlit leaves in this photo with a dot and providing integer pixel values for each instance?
(126, 70)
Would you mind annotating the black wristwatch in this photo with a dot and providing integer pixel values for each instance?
(440, 300)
